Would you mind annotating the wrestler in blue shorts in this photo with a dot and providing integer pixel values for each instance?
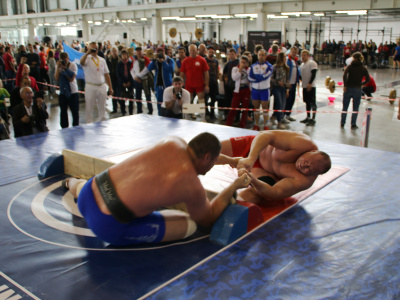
(148, 229)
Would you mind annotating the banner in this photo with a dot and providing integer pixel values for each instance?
(75, 56)
(264, 38)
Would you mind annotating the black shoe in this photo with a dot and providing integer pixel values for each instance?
(311, 123)
(354, 126)
(113, 112)
(306, 120)
(291, 119)
(341, 125)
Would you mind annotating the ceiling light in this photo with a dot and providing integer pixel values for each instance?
(246, 15)
(187, 19)
(143, 19)
(352, 12)
(319, 14)
(205, 16)
(46, 24)
(90, 22)
(97, 23)
(106, 21)
(123, 21)
(277, 17)
(222, 17)
(297, 14)
(170, 18)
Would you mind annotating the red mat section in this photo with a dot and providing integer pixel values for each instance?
(221, 176)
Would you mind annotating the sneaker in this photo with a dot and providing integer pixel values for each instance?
(306, 120)
(281, 126)
(291, 119)
(311, 123)
(354, 126)
(255, 127)
(266, 128)
(273, 121)
(285, 121)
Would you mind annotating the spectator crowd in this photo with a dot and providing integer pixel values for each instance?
(224, 74)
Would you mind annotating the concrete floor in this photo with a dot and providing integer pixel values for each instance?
(384, 131)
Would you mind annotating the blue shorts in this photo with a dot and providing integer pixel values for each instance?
(148, 229)
(262, 95)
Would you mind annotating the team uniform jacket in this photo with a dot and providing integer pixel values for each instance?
(259, 75)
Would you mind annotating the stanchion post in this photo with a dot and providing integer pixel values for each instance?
(367, 123)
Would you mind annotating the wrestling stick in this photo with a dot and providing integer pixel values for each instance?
(83, 166)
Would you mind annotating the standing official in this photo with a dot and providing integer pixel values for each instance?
(97, 79)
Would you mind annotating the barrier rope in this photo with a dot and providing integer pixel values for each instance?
(222, 108)
(236, 108)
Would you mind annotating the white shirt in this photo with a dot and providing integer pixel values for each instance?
(95, 69)
(349, 60)
(135, 71)
(168, 93)
(293, 76)
(305, 70)
(240, 78)
(73, 85)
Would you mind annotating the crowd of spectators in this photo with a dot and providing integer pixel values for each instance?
(223, 73)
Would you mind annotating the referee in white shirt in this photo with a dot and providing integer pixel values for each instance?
(97, 78)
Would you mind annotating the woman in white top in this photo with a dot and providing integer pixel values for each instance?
(241, 94)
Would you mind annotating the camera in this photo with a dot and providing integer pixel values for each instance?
(178, 95)
(24, 54)
(63, 62)
(93, 50)
(160, 56)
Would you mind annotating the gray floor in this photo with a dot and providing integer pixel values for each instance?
(384, 131)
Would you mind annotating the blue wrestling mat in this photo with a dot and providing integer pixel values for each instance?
(340, 243)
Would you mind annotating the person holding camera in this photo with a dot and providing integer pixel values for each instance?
(29, 117)
(97, 78)
(65, 75)
(174, 97)
(164, 71)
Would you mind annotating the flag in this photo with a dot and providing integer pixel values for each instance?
(75, 56)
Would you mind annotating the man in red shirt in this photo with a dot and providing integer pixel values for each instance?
(44, 76)
(369, 88)
(194, 71)
(9, 68)
(23, 71)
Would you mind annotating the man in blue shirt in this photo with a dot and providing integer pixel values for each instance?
(236, 46)
(396, 57)
(164, 71)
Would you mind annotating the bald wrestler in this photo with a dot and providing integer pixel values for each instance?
(279, 163)
(120, 205)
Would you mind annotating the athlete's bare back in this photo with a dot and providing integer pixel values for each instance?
(160, 175)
